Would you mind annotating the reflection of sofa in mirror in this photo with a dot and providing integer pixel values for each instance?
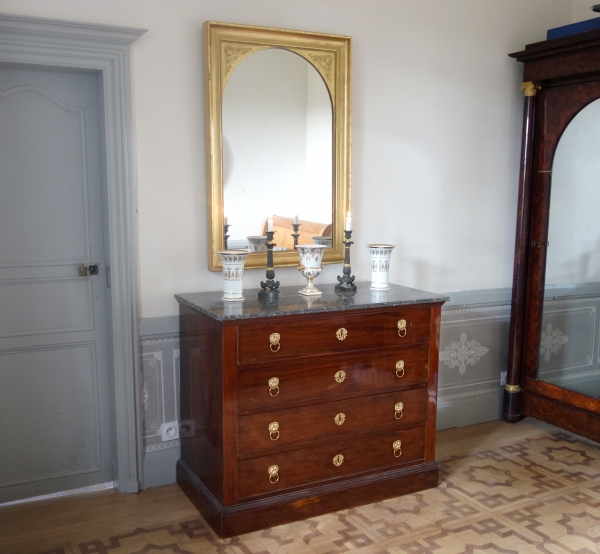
(308, 229)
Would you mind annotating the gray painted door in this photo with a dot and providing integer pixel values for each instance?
(55, 428)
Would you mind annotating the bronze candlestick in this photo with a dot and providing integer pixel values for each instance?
(296, 226)
(269, 292)
(346, 283)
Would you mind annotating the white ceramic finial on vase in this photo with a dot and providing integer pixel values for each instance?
(380, 265)
(311, 257)
(233, 274)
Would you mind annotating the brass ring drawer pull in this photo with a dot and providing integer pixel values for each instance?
(340, 376)
(274, 428)
(340, 418)
(274, 341)
(338, 460)
(341, 333)
(397, 446)
(400, 369)
(398, 410)
(273, 386)
(273, 473)
(402, 327)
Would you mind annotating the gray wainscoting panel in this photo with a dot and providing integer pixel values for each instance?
(473, 356)
(473, 353)
(569, 355)
(159, 363)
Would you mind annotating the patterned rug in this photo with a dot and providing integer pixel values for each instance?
(537, 495)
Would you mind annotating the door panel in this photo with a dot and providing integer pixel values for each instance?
(62, 436)
(48, 306)
(54, 379)
(42, 224)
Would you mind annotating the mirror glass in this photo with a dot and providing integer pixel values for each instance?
(569, 354)
(277, 150)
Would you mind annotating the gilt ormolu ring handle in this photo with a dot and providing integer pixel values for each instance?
(274, 341)
(402, 327)
(340, 376)
(273, 386)
(273, 472)
(274, 429)
(341, 333)
(397, 446)
(400, 369)
(398, 408)
(338, 460)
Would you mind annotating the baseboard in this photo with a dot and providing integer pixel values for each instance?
(469, 408)
(160, 466)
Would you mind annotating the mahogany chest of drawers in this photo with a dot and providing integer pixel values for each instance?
(302, 407)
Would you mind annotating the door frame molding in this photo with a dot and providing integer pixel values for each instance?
(49, 43)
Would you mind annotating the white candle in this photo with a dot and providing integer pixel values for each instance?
(348, 222)
(270, 224)
(224, 220)
(296, 220)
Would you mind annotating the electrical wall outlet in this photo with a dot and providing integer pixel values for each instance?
(502, 378)
(187, 428)
(169, 431)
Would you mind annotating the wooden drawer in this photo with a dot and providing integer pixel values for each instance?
(310, 465)
(331, 376)
(312, 335)
(330, 421)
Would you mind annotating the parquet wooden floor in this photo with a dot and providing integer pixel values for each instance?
(504, 488)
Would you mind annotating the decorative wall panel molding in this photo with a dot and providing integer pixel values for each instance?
(473, 355)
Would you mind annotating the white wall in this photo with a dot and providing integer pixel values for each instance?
(582, 10)
(436, 130)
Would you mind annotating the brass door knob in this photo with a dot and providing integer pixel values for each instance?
(340, 376)
(338, 460)
(398, 408)
(273, 474)
(402, 327)
(340, 418)
(341, 333)
(273, 386)
(274, 430)
(274, 341)
(397, 446)
(400, 369)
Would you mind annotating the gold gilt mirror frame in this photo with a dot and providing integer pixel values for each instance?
(225, 47)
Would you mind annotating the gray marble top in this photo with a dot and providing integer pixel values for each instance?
(210, 303)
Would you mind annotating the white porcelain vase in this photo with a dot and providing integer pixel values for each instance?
(257, 244)
(325, 241)
(380, 265)
(233, 274)
(311, 258)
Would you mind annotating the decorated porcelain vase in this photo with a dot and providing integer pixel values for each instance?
(311, 258)
(257, 244)
(325, 241)
(380, 265)
(233, 274)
